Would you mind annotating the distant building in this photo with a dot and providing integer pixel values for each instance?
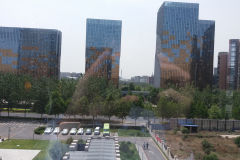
(103, 47)
(215, 77)
(233, 80)
(35, 52)
(222, 70)
(71, 75)
(141, 79)
(184, 46)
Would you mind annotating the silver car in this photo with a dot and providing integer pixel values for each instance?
(89, 131)
(65, 131)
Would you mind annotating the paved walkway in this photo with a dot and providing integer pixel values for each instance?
(18, 154)
(152, 153)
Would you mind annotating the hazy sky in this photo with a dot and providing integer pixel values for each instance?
(139, 18)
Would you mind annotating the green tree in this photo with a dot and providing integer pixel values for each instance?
(214, 112)
(123, 109)
(135, 113)
(167, 108)
(56, 104)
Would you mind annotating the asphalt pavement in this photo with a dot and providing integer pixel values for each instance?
(152, 153)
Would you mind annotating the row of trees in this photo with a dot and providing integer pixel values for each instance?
(191, 102)
(96, 96)
(23, 91)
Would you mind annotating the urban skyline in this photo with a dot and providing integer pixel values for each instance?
(138, 35)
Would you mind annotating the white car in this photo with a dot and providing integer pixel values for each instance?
(48, 130)
(73, 131)
(97, 131)
(80, 131)
(56, 130)
(65, 131)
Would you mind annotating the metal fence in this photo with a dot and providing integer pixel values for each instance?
(203, 124)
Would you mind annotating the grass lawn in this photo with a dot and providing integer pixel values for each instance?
(28, 144)
(133, 132)
(128, 151)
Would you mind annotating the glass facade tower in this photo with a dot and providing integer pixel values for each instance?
(35, 52)
(184, 46)
(103, 46)
(234, 64)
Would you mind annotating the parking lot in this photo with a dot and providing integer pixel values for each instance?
(25, 130)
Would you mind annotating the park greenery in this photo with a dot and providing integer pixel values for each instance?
(128, 151)
(95, 96)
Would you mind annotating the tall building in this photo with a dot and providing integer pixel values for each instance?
(103, 47)
(184, 46)
(35, 52)
(222, 70)
(233, 80)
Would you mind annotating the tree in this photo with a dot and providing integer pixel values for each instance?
(95, 107)
(57, 150)
(214, 112)
(123, 109)
(83, 106)
(110, 102)
(56, 104)
(135, 113)
(167, 108)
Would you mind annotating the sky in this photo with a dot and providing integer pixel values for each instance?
(139, 18)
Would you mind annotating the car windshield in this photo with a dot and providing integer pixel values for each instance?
(120, 79)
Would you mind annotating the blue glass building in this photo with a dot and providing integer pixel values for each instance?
(184, 46)
(30, 51)
(233, 77)
(103, 47)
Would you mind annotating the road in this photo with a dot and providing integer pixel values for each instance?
(128, 120)
(153, 152)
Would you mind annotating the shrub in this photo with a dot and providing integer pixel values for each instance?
(185, 130)
(184, 137)
(207, 147)
(69, 140)
(39, 130)
(175, 131)
(57, 150)
(210, 157)
(81, 141)
(237, 141)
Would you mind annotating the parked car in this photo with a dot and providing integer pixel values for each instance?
(97, 131)
(88, 131)
(80, 131)
(56, 130)
(65, 131)
(73, 131)
(48, 130)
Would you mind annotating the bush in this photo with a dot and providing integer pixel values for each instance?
(69, 140)
(175, 131)
(184, 137)
(237, 141)
(210, 157)
(39, 130)
(185, 130)
(57, 150)
(207, 147)
(81, 141)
